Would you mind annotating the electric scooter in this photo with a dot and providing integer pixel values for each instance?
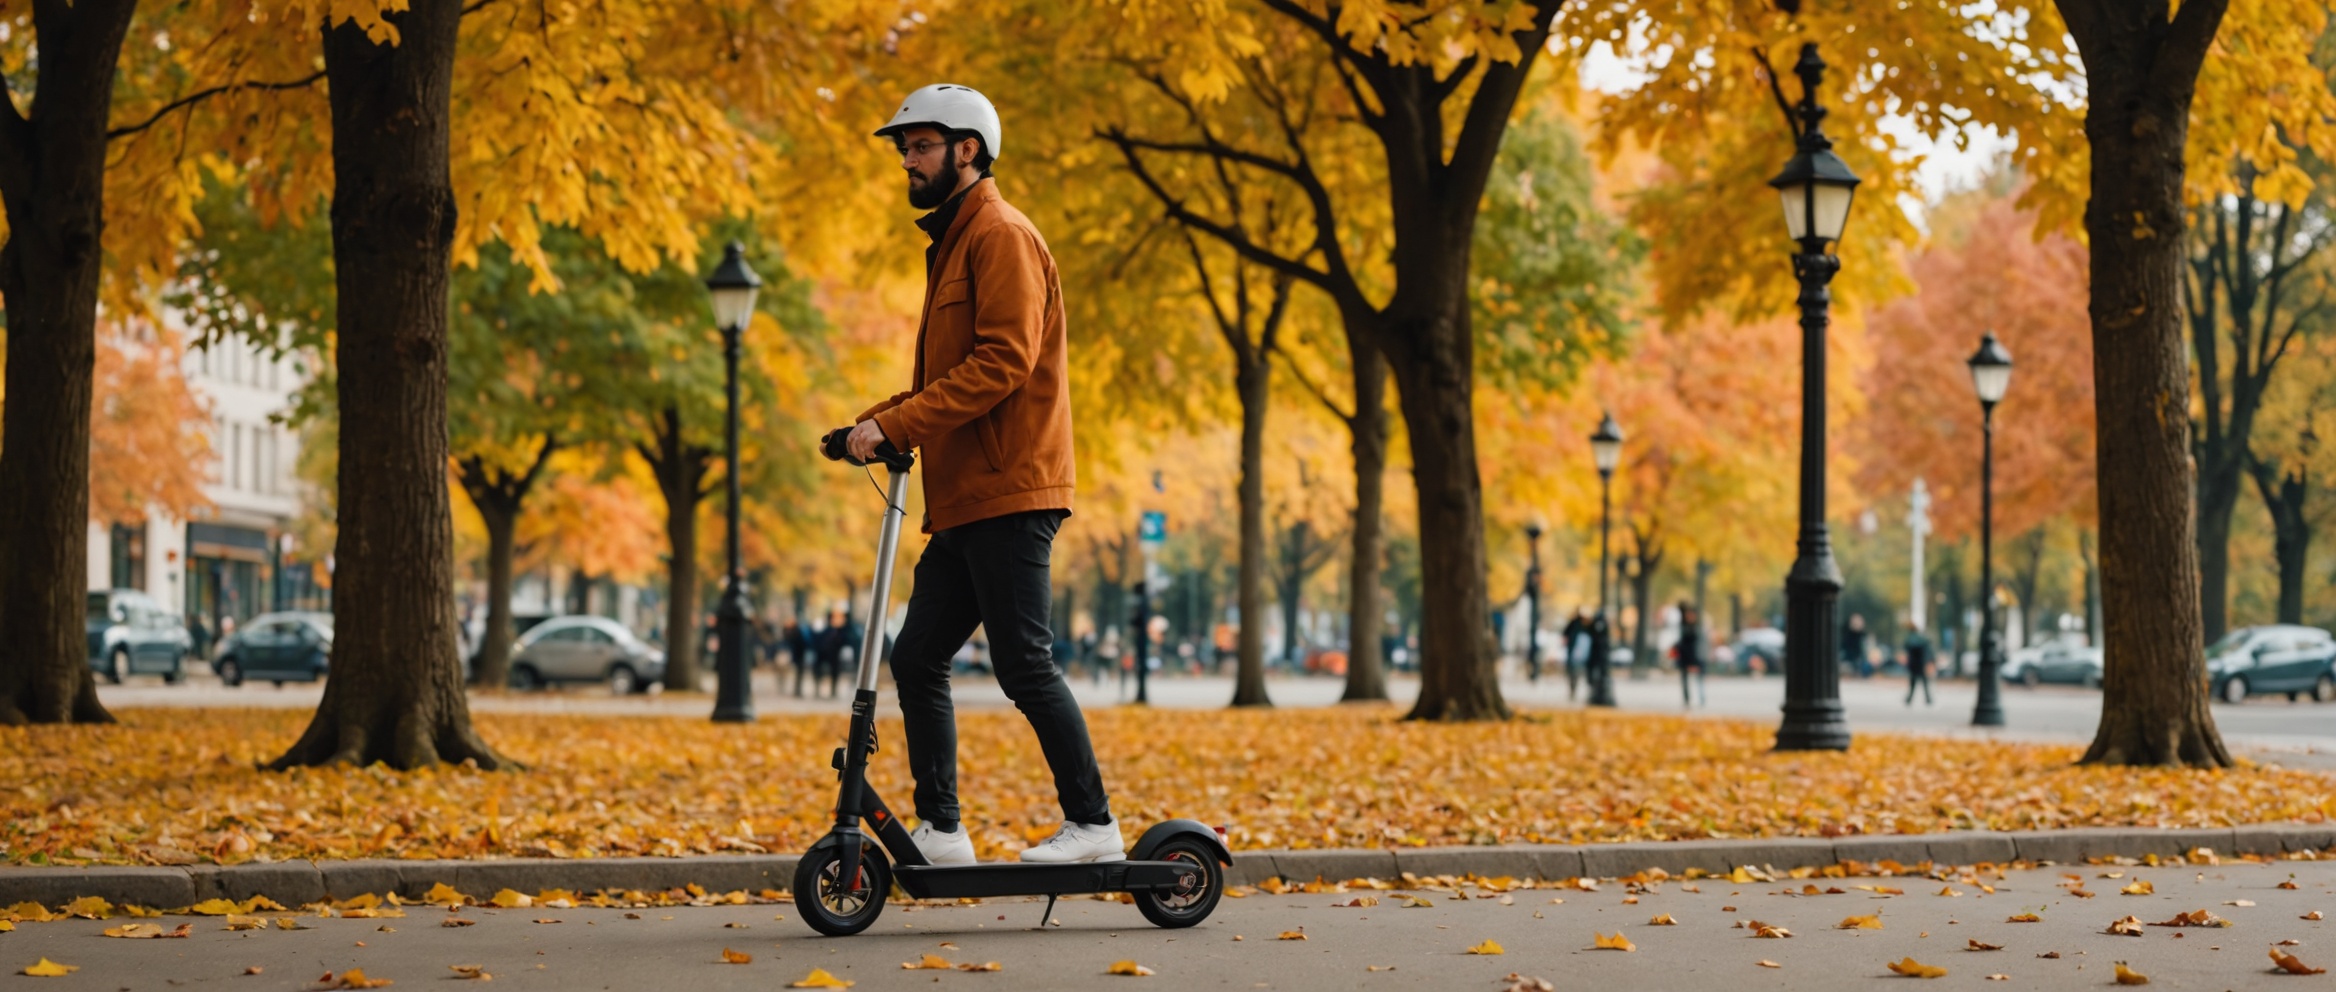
(1175, 873)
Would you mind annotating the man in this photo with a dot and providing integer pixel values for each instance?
(1688, 652)
(1917, 663)
(990, 405)
(1577, 650)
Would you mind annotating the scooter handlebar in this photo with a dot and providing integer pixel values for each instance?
(832, 445)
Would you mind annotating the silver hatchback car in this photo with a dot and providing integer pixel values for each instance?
(585, 649)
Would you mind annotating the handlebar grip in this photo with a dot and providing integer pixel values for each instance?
(831, 444)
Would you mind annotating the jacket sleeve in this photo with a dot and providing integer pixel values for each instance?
(1009, 321)
(895, 400)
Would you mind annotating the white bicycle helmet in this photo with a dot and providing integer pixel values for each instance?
(949, 107)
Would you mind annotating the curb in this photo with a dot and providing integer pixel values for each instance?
(296, 883)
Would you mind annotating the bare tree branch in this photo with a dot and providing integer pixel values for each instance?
(1320, 396)
(1792, 124)
(1128, 148)
(201, 95)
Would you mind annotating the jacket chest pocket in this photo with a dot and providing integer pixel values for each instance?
(953, 292)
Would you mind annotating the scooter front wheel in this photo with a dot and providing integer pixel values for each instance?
(830, 904)
(1190, 903)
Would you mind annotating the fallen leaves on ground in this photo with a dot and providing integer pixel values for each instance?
(2288, 963)
(820, 979)
(2194, 918)
(2025, 918)
(1618, 942)
(2313, 915)
(1298, 934)
(1868, 922)
(2139, 888)
(1765, 963)
(50, 969)
(149, 930)
(476, 972)
(1525, 983)
(1980, 945)
(736, 957)
(1358, 902)
(1493, 947)
(1664, 920)
(2128, 976)
(186, 780)
(1127, 968)
(457, 921)
(1916, 969)
(2127, 927)
(353, 978)
(1767, 930)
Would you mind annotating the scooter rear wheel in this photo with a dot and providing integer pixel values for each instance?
(836, 909)
(1184, 906)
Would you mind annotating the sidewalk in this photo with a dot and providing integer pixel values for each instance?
(1417, 934)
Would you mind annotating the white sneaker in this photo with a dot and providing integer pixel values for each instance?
(1077, 842)
(943, 849)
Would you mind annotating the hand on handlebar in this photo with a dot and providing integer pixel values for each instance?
(863, 439)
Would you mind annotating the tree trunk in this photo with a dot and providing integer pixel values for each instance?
(1366, 669)
(2141, 71)
(2291, 531)
(2092, 567)
(395, 695)
(681, 469)
(1291, 589)
(1642, 592)
(1459, 678)
(2218, 497)
(1252, 381)
(498, 495)
(52, 181)
(2027, 579)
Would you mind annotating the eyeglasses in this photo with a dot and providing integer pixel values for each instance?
(920, 149)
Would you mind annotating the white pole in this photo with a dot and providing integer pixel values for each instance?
(1918, 524)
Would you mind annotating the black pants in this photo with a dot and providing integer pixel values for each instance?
(1918, 678)
(992, 574)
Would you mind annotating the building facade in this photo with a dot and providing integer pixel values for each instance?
(239, 558)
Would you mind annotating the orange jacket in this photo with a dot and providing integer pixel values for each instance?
(990, 403)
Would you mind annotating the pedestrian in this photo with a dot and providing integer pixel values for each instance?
(1853, 646)
(1918, 663)
(1690, 654)
(1577, 650)
(829, 657)
(990, 405)
(798, 644)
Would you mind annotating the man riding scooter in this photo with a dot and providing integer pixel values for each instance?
(990, 406)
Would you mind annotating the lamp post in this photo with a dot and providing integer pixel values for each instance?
(1606, 451)
(1533, 604)
(1815, 187)
(1991, 374)
(732, 287)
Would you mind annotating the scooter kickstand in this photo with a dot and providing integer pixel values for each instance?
(1044, 920)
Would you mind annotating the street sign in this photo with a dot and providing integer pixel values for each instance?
(1153, 529)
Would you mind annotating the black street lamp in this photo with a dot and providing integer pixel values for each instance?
(1816, 187)
(1991, 374)
(1606, 450)
(1533, 604)
(732, 286)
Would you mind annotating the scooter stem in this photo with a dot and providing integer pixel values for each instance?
(880, 598)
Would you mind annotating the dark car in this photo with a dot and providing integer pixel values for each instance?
(129, 634)
(2275, 658)
(278, 648)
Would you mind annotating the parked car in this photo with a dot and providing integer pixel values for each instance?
(585, 649)
(130, 633)
(278, 648)
(1763, 643)
(2271, 659)
(2065, 661)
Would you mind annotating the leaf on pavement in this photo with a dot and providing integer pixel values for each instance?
(1526, 983)
(2140, 887)
(2025, 918)
(2313, 915)
(1358, 902)
(89, 907)
(51, 969)
(1979, 945)
(1916, 969)
(1664, 920)
(932, 962)
(2128, 976)
(443, 894)
(215, 907)
(512, 899)
(1618, 942)
(820, 979)
(736, 957)
(1766, 963)
(984, 966)
(149, 930)
(1868, 922)
(477, 972)
(2289, 964)
(2194, 918)
(1491, 947)
(1298, 934)
(1127, 968)
(354, 978)
(246, 923)
(291, 923)
(2128, 927)
(1768, 930)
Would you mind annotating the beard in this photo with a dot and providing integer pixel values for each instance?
(927, 192)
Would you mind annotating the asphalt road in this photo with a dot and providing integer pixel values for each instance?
(2296, 733)
(1391, 945)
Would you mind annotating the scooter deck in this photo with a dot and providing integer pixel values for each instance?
(968, 881)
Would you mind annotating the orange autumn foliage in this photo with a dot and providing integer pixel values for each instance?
(1984, 270)
(146, 449)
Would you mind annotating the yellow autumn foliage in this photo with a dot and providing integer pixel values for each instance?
(166, 784)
